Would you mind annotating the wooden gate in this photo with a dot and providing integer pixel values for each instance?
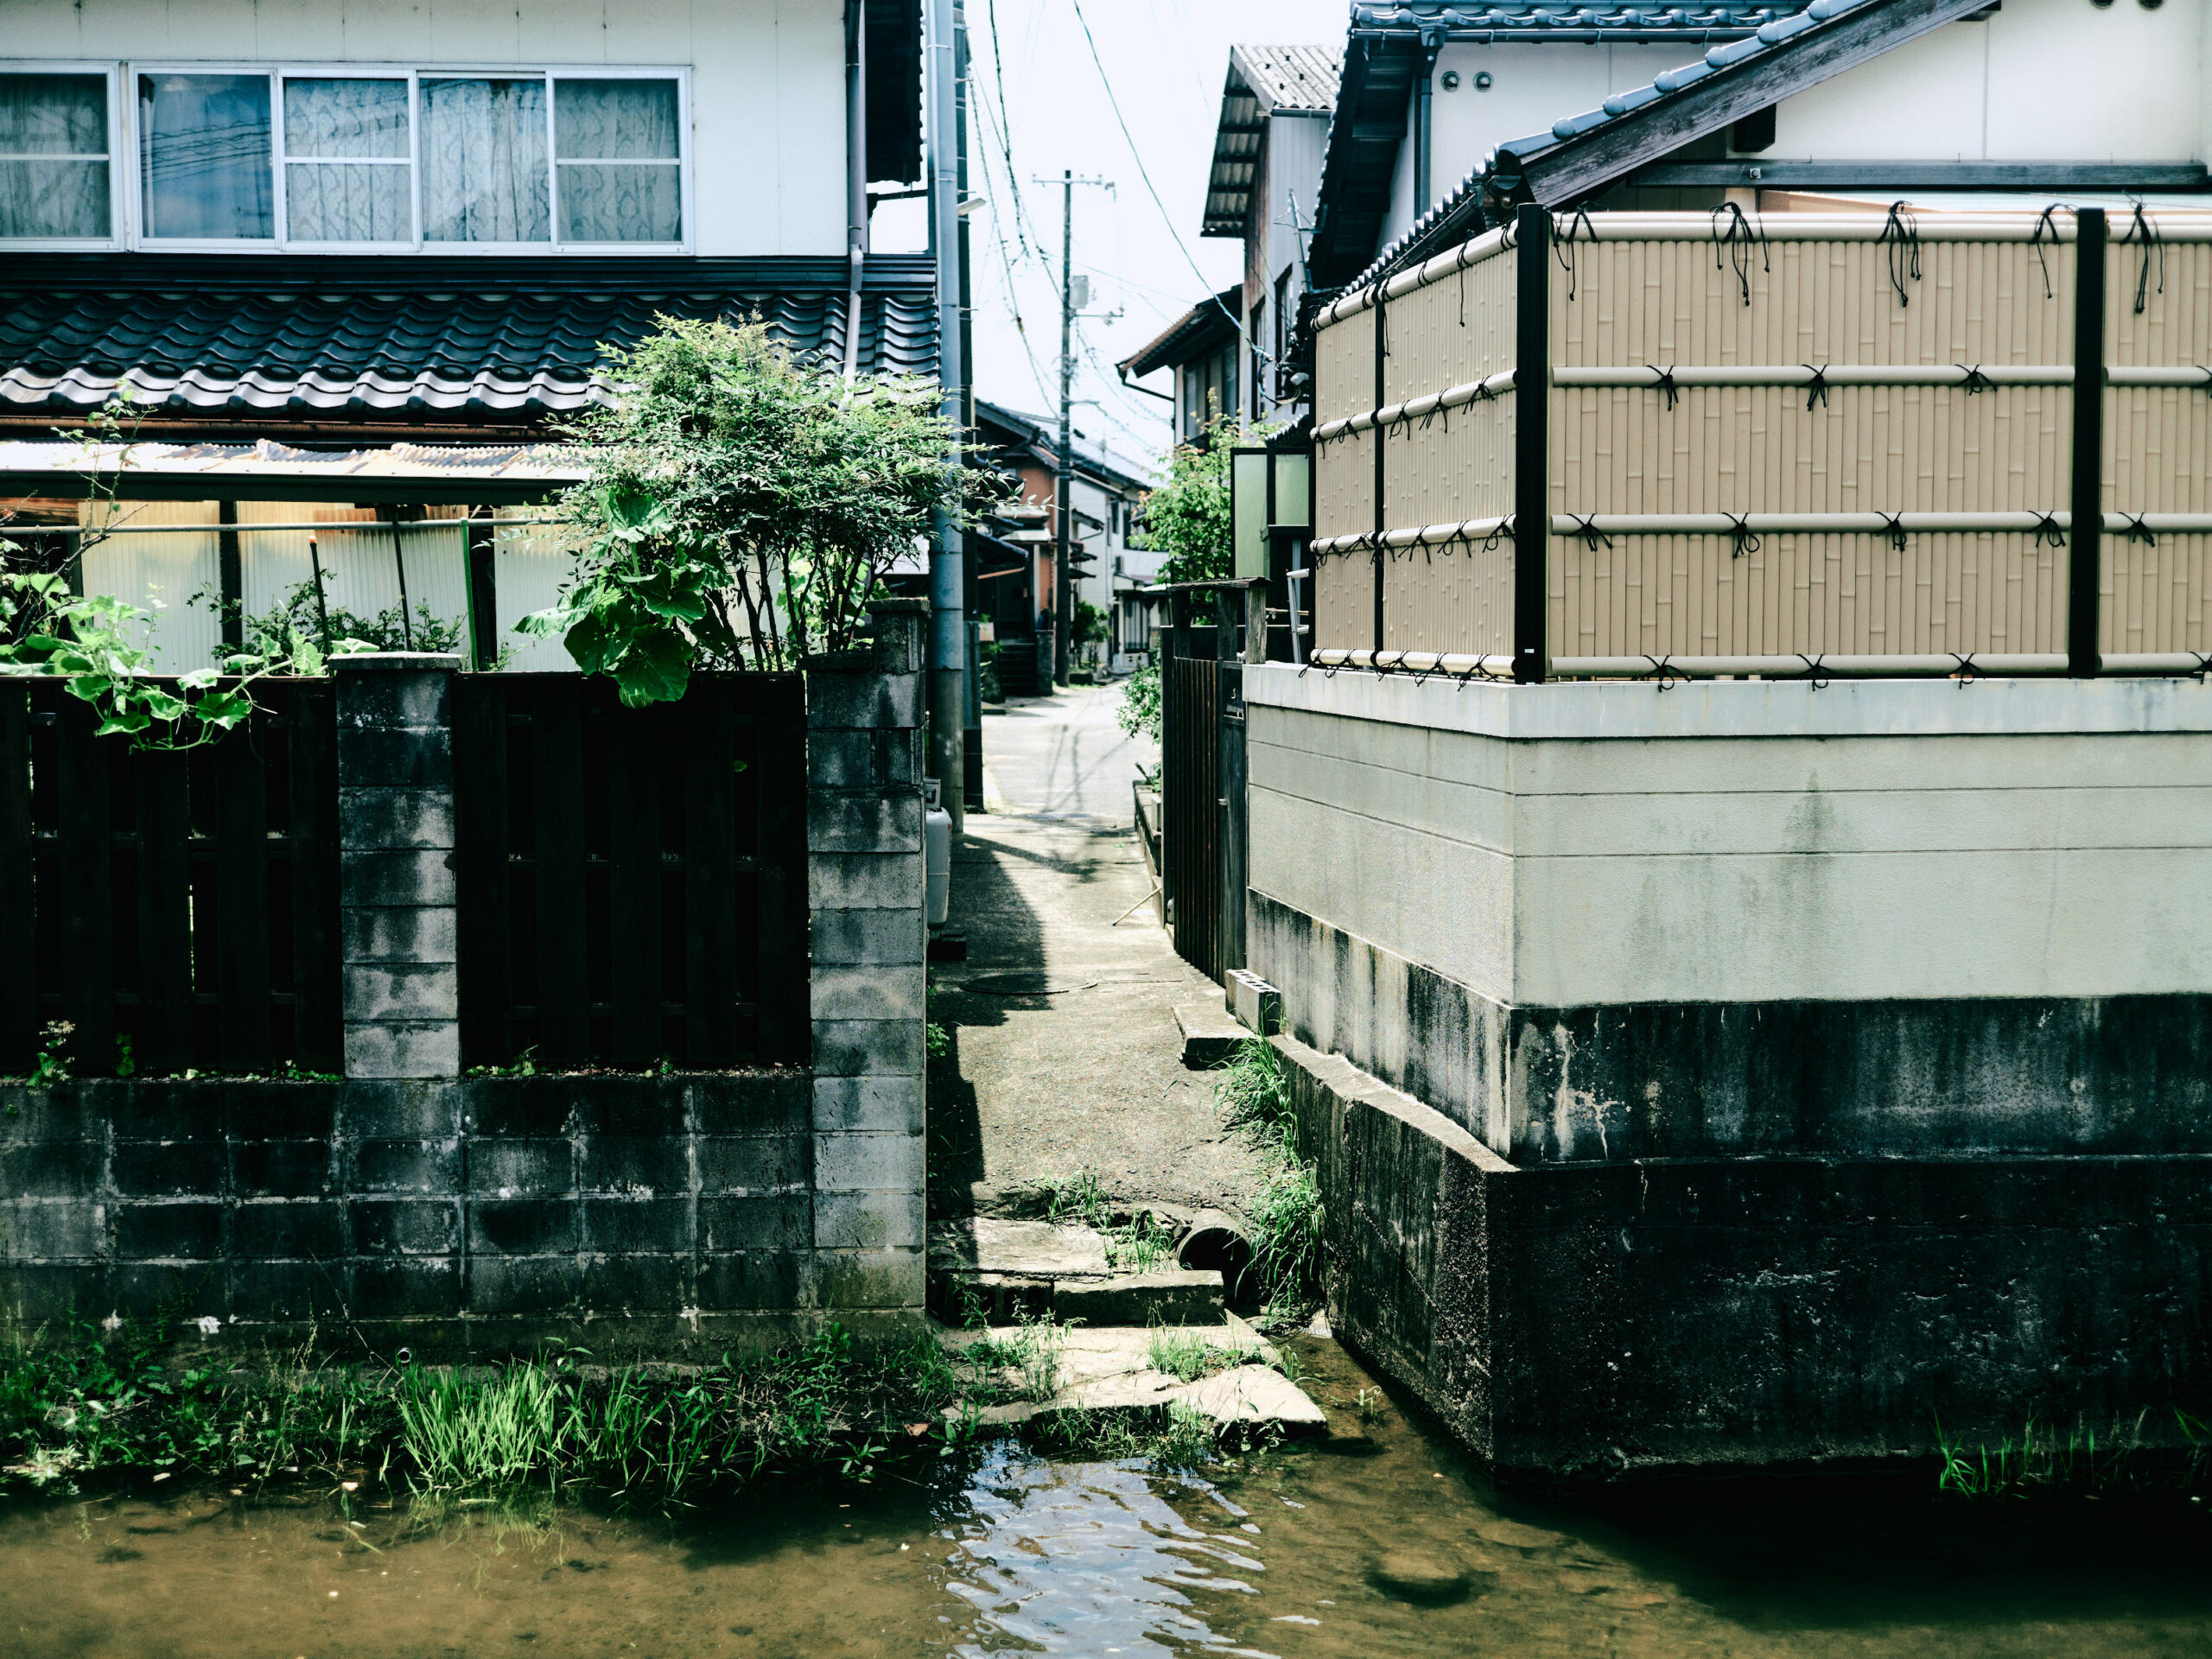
(1190, 792)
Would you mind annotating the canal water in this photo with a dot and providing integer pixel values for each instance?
(1378, 1541)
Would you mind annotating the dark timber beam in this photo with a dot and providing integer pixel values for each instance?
(1927, 176)
(1576, 168)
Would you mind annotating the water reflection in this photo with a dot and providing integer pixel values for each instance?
(1374, 1542)
(1090, 1557)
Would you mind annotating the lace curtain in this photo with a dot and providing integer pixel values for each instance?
(347, 177)
(53, 156)
(615, 142)
(484, 162)
(204, 156)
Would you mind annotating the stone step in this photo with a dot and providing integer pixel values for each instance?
(1211, 1034)
(1004, 1270)
(1114, 1370)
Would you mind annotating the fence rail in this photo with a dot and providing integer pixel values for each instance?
(177, 909)
(1592, 443)
(632, 882)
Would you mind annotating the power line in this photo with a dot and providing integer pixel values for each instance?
(1174, 235)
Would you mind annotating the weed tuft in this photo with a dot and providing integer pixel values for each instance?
(1253, 1092)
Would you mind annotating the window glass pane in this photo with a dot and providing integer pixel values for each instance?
(52, 115)
(620, 204)
(63, 117)
(614, 120)
(204, 153)
(345, 118)
(325, 202)
(484, 162)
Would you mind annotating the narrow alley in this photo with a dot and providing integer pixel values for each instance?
(1066, 1057)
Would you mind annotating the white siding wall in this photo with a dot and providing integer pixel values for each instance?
(2039, 80)
(767, 88)
(1569, 845)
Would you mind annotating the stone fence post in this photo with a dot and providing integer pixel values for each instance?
(401, 989)
(865, 889)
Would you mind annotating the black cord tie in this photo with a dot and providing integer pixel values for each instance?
(2139, 531)
(1592, 537)
(1976, 382)
(2143, 231)
(2047, 524)
(1966, 673)
(1812, 671)
(1463, 291)
(1563, 243)
(1747, 539)
(1665, 383)
(2207, 373)
(1894, 523)
(2045, 225)
(1504, 527)
(1902, 236)
(1731, 231)
(1816, 389)
(1665, 668)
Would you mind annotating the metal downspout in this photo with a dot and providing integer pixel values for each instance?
(948, 614)
(1425, 125)
(856, 174)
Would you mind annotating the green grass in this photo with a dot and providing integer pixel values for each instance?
(1253, 1093)
(1031, 1355)
(1186, 1355)
(2043, 1460)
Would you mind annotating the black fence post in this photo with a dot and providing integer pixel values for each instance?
(2085, 554)
(1532, 447)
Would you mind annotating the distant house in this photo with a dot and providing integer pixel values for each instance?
(402, 235)
(1016, 548)
(1228, 351)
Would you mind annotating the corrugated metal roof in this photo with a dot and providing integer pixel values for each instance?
(475, 342)
(1545, 18)
(1263, 81)
(1289, 77)
(270, 471)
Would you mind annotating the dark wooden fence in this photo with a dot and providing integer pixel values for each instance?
(633, 882)
(179, 909)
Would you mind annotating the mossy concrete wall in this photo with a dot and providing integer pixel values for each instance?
(1666, 1314)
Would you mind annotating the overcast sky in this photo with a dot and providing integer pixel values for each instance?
(1165, 60)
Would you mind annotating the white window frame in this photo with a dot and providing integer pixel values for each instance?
(120, 153)
(126, 186)
(280, 142)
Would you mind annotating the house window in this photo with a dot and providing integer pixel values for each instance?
(349, 160)
(305, 156)
(203, 157)
(616, 161)
(53, 157)
(483, 171)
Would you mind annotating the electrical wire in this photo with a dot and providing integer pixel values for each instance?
(1174, 235)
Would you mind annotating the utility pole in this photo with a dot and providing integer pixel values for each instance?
(1063, 587)
(1064, 538)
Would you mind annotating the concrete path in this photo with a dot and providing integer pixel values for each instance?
(1081, 1071)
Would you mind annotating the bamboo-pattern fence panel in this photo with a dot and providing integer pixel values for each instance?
(2157, 446)
(1686, 595)
(1833, 302)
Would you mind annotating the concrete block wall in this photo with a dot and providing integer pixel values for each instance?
(475, 1216)
(864, 767)
(397, 896)
(479, 1214)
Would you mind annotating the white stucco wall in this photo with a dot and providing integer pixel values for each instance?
(2038, 81)
(1594, 844)
(767, 84)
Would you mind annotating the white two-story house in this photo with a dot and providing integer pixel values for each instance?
(351, 259)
